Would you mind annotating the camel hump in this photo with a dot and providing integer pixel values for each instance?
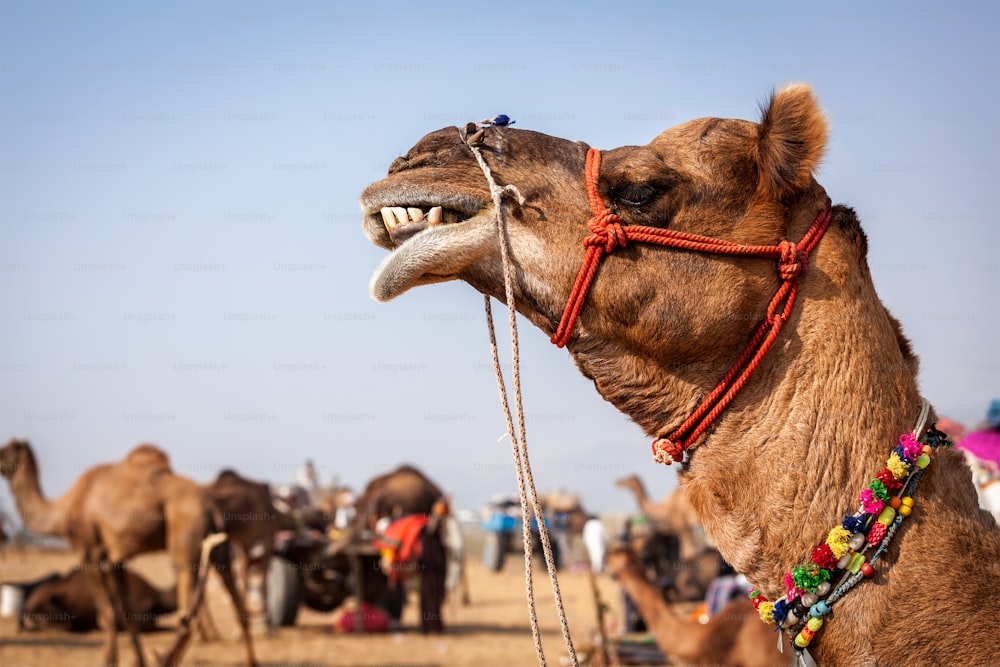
(148, 456)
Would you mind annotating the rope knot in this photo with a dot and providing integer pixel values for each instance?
(792, 261)
(606, 232)
(667, 451)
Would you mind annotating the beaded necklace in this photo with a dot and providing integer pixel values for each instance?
(838, 564)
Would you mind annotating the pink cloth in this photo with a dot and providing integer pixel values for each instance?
(984, 445)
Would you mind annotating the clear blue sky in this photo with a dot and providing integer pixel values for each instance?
(182, 262)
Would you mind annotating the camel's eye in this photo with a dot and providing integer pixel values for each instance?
(635, 194)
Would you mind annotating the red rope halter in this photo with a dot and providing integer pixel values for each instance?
(608, 233)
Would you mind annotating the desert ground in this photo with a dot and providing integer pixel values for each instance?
(493, 630)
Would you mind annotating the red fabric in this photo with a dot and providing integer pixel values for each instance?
(373, 619)
(402, 539)
(609, 233)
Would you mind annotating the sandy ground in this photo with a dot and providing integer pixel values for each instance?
(493, 630)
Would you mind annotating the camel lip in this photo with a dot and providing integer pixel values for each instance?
(431, 255)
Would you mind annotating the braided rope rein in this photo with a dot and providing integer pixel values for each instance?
(518, 442)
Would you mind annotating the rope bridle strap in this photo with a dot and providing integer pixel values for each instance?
(608, 232)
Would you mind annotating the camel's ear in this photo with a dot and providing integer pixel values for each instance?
(790, 141)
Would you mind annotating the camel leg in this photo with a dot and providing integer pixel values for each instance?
(222, 561)
(106, 615)
(114, 576)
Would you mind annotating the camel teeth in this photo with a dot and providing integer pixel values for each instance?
(416, 214)
(388, 218)
(434, 216)
(450, 217)
(402, 217)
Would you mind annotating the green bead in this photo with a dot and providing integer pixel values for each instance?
(801, 641)
(886, 516)
(815, 624)
(923, 461)
(855, 565)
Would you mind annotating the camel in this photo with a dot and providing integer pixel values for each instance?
(250, 521)
(404, 490)
(117, 511)
(673, 514)
(734, 636)
(66, 602)
(831, 383)
(697, 562)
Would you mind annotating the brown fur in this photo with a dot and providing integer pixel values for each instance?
(117, 511)
(67, 603)
(734, 636)
(250, 520)
(402, 491)
(785, 461)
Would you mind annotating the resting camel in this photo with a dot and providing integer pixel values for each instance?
(810, 414)
(734, 636)
(67, 603)
(117, 511)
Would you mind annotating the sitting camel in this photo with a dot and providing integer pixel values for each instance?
(711, 247)
(734, 636)
(66, 602)
(117, 511)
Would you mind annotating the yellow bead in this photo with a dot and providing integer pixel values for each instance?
(815, 624)
(926, 449)
(904, 510)
(908, 501)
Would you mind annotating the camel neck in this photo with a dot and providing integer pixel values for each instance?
(38, 513)
(682, 638)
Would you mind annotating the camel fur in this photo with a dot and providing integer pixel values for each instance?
(733, 637)
(784, 462)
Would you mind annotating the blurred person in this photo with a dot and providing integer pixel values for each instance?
(981, 447)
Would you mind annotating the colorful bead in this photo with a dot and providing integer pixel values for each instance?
(814, 624)
(894, 502)
(877, 532)
(857, 541)
(923, 461)
(821, 608)
(907, 501)
(800, 641)
(886, 516)
(824, 588)
(791, 620)
(867, 569)
(855, 564)
(904, 510)
(926, 449)
(809, 599)
(844, 561)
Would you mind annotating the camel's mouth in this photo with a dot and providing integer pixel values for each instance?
(402, 222)
(432, 239)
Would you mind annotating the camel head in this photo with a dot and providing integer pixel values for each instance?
(690, 313)
(622, 559)
(15, 455)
